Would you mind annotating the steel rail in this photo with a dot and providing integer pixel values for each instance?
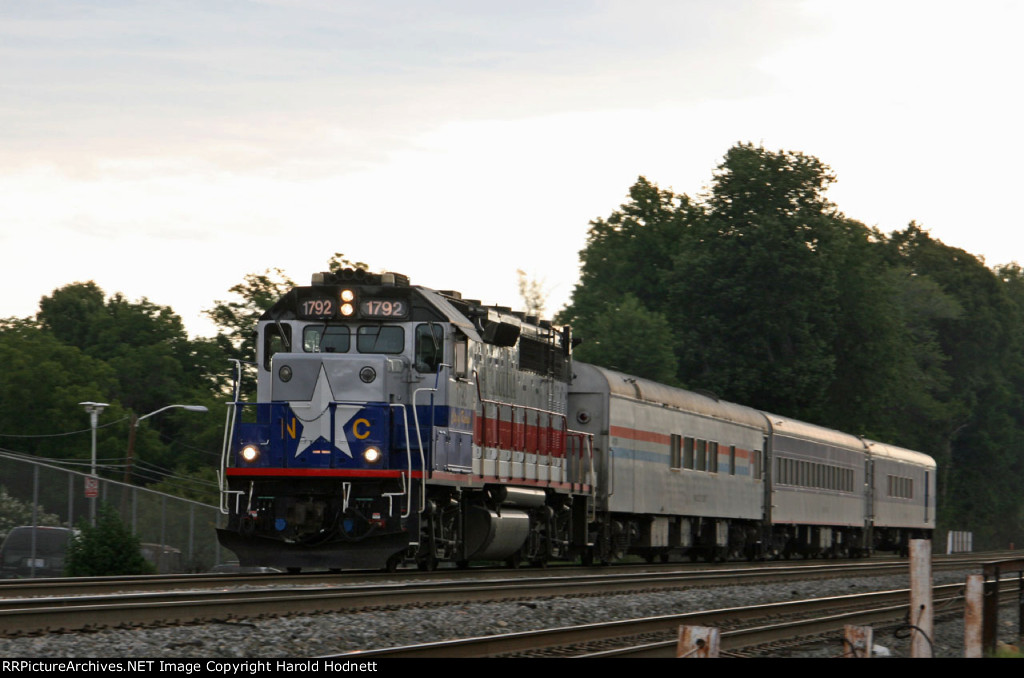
(635, 636)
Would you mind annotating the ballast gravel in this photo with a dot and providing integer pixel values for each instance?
(326, 634)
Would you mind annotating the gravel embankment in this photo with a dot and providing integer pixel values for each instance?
(312, 636)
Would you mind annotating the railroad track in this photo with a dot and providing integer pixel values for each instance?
(73, 586)
(742, 629)
(179, 600)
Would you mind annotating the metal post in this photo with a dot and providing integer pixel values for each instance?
(973, 606)
(990, 610)
(698, 642)
(921, 612)
(858, 641)
(71, 499)
(35, 518)
(191, 534)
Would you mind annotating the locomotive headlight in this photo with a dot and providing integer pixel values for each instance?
(367, 374)
(285, 373)
(371, 455)
(250, 453)
(347, 309)
(347, 295)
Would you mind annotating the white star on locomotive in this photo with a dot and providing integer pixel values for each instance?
(320, 425)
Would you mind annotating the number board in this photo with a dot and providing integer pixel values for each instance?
(383, 308)
(320, 307)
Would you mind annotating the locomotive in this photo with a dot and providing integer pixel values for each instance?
(397, 423)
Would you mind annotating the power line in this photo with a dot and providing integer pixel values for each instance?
(59, 435)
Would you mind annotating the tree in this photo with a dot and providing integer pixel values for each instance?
(136, 356)
(237, 319)
(339, 262)
(629, 253)
(619, 308)
(628, 338)
(106, 549)
(71, 312)
(977, 442)
(752, 289)
(41, 386)
(532, 293)
(14, 512)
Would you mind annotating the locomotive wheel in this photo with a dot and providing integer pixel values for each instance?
(392, 564)
(514, 560)
(427, 564)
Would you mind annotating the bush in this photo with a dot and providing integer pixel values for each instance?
(108, 548)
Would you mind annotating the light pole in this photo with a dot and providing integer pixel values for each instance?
(94, 410)
(135, 425)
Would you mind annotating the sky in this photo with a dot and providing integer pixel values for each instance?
(165, 149)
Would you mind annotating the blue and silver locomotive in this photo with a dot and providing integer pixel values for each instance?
(397, 422)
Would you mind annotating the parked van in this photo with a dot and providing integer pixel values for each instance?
(35, 552)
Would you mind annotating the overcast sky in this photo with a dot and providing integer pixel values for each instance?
(165, 149)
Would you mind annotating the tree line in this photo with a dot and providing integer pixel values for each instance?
(758, 289)
(762, 292)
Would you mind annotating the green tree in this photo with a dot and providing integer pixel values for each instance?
(236, 319)
(753, 290)
(531, 291)
(619, 308)
(136, 356)
(340, 262)
(106, 549)
(977, 443)
(629, 253)
(71, 313)
(41, 386)
(628, 338)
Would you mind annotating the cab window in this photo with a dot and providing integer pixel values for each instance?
(326, 339)
(429, 347)
(380, 339)
(275, 342)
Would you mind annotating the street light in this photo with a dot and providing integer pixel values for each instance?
(135, 425)
(94, 410)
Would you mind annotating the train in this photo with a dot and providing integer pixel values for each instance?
(396, 424)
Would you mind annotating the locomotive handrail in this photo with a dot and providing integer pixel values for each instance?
(408, 456)
(592, 513)
(229, 437)
(419, 438)
(584, 475)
